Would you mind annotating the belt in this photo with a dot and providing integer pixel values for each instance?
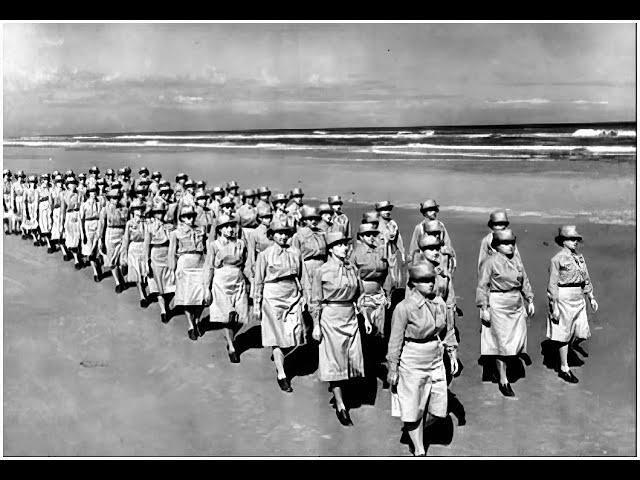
(421, 340)
(505, 291)
(72, 209)
(158, 245)
(43, 200)
(317, 257)
(338, 302)
(191, 252)
(116, 226)
(91, 218)
(581, 285)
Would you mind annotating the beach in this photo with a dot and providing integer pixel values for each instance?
(88, 372)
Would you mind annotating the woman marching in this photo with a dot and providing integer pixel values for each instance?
(89, 220)
(57, 193)
(71, 201)
(133, 255)
(225, 283)
(257, 242)
(17, 201)
(502, 285)
(30, 200)
(336, 288)
(340, 220)
(247, 213)
(393, 246)
(9, 216)
(111, 227)
(278, 298)
(429, 209)
(369, 258)
(498, 220)
(279, 202)
(569, 282)
(204, 215)
(186, 260)
(420, 334)
(162, 282)
(45, 212)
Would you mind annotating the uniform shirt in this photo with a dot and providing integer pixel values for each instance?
(281, 216)
(71, 200)
(90, 210)
(444, 280)
(257, 242)
(6, 195)
(247, 216)
(310, 243)
(499, 273)
(418, 232)
(342, 224)
(223, 252)
(487, 250)
(328, 227)
(568, 268)
(185, 239)
(134, 231)
(419, 318)
(335, 281)
(157, 232)
(215, 207)
(293, 214)
(112, 216)
(56, 197)
(17, 189)
(204, 218)
(273, 265)
(390, 234)
(371, 262)
(262, 203)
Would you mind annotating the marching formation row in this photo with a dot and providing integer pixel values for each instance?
(297, 269)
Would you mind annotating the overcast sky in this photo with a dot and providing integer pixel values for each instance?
(84, 78)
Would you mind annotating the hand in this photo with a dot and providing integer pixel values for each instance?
(316, 333)
(453, 361)
(531, 311)
(485, 316)
(123, 261)
(392, 378)
(593, 303)
(368, 328)
(208, 297)
(257, 312)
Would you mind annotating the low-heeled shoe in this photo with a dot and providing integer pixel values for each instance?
(568, 376)
(344, 418)
(506, 390)
(284, 385)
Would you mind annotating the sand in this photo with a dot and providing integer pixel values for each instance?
(88, 372)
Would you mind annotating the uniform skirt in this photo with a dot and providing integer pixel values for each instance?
(56, 225)
(573, 316)
(20, 210)
(374, 301)
(507, 335)
(137, 268)
(229, 292)
(163, 280)
(189, 287)
(112, 247)
(32, 222)
(91, 232)
(72, 230)
(340, 351)
(422, 381)
(282, 321)
(44, 216)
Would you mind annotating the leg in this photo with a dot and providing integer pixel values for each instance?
(502, 370)
(94, 266)
(115, 272)
(76, 259)
(143, 294)
(416, 434)
(191, 325)
(278, 359)
(229, 334)
(564, 351)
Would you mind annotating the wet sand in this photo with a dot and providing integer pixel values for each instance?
(88, 372)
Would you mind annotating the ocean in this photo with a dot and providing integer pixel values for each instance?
(585, 172)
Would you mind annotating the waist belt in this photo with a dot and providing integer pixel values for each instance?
(90, 219)
(191, 252)
(317, 257)
(158, 245)
(581, 285)
(43, 200)
(421, 340)
(338, 302)
(116, 226)
(72, 209)
(505, 291)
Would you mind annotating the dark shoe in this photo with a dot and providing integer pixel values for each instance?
(385, 385)
(284, 384)
(344, 418)
(233, 357)
(25, 236)
(163, 318)
(96, 279)
(66, 258)
(192, 335)
(78, 266)
(144, 303)
(199, 329)
(51, 250)
(506, 390)
(118, 288)
(568, 376)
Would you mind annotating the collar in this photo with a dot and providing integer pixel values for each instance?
(338, 263)
(417, 298)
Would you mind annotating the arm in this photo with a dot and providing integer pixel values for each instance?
(147, 245)
(171, 255)
(588, 286)
(316, 298)
(484, 281)
(399, 322)
(258, 280)
(102, 227)
(208, 270)
(125, 245)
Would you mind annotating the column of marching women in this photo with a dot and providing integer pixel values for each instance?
(297, 269)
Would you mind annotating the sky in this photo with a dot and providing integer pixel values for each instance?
(91, 78)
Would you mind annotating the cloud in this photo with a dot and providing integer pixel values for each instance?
(268, 79)
(528, 101)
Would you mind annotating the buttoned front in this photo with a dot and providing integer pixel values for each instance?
(310, 243)
(486, 250)
(568, 269)
(501, 274)
(371, 262)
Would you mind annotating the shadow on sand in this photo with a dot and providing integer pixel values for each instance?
(551, 356)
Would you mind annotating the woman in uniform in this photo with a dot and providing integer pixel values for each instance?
(569, 282)
(258, 241)
(278, 298)
(326, 218)
(133, 255)
(216, 196)
(264, 194)
(247, 214)
(429, 209)
(293, 209)
(232, 192)
(179, 189)
(162, 281)
(369, 258)
(340, 220)
(502, 285)
(30, 200)
(310, 241)
(498, 220)
(225, 283)
(204, 215)
(113, 221)
(420, 333)
(279, 202)
(8, 216)
(186, 260)
(89, 220)
(82, 186)
(57, 193)
(17, 201)
(71, 202)
(393, 246)
(336, 289)
(45, 211)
